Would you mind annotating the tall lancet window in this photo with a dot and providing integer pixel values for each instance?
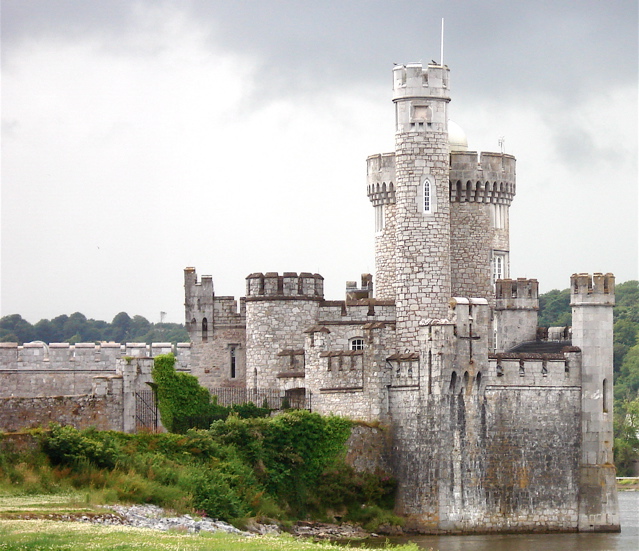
(428, 199)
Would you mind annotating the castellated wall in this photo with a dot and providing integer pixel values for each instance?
(110, 404)
(486, 445)
(58, 369)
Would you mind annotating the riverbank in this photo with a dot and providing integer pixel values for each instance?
(628, 483)
(23, 518)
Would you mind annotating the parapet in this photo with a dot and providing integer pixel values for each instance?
(484, 178)
(413, 80)
(596, 289)
(364, 292)
(522, 294)
(380, 175)
(205, 286)
(288, 286)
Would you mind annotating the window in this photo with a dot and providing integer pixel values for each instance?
(427, 196)
(357, 343)
(499, 266)
(233, 362)
(205, 330)
(379, 218)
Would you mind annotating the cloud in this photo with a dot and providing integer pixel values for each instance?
(143, 137)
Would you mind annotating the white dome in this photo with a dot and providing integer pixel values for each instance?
(456, 137)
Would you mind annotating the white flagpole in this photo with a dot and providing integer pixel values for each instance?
(442, 44)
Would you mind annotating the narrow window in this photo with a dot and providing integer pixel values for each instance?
(233, 362)
(605, 396)
(205, 330)
(427, 196)
(379, 218)
(357, 344)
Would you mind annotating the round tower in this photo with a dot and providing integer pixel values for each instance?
(380, 177)
(422, 208)
(482, 188)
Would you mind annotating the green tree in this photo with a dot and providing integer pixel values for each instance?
(120, 327)
(626, 443)
(16, 325)
(554, 309)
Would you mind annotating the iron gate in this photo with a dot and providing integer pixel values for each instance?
(146, 411)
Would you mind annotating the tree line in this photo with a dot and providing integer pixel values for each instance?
(77, 328)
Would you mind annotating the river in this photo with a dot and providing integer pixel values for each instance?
(626, 540)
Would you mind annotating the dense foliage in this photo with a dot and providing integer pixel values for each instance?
(77, 328)
(288, 466)
(185, 404)
(554, 310)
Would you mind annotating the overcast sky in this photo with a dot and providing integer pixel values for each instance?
(142, 137)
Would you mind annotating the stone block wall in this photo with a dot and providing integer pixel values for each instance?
(102, 411)
(470, 250)
(58, 369)
(110, 405)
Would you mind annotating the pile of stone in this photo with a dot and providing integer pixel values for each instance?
(323, 531)
(152, 516)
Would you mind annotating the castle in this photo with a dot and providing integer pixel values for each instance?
(487, 423)
(490, 427)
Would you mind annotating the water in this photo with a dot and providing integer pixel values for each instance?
(626, 540)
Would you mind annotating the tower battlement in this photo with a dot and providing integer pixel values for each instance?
(482, 178)
(201, 288)
(516, 293)
(413, 80)
(380, 178)
(598, 288)
(289, 285)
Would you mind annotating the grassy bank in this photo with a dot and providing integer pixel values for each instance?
(45, 535)
(42, 534)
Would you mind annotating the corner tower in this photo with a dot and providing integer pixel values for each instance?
(422, 207)
(592, 299)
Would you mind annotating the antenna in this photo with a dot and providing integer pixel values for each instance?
(441, 56)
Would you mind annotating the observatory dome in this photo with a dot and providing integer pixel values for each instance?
(456, 137)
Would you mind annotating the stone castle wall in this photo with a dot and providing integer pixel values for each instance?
(109, 405)
(59, 369)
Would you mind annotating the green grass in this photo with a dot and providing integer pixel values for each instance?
(44, 535)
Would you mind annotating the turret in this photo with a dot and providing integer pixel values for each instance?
(592, 299)
(516, 309)
(422, 243)
(198, 305)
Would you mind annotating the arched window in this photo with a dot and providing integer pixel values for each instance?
(428, 198)
(356, 343)
(205, 330)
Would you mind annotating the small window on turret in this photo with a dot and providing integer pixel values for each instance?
(427, 197)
